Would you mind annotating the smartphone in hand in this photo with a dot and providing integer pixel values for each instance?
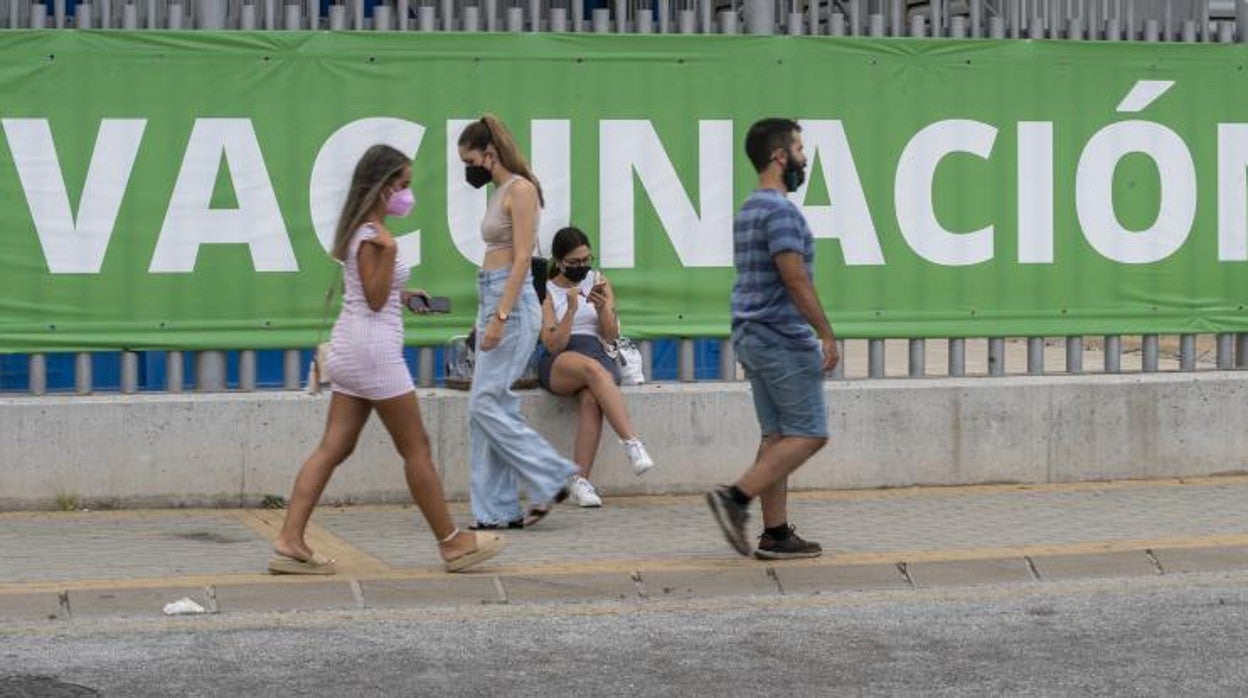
(432, 304)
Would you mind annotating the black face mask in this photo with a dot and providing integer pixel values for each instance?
(576, 274)
(794, 175)
(477, 176)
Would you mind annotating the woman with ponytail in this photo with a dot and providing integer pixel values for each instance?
(505, 449)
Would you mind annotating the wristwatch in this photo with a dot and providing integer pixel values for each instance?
(502, 317)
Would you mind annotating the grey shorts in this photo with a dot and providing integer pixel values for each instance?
(582, 344)
(786, 382)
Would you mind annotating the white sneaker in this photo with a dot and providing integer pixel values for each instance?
(584, 493)
(637, 456)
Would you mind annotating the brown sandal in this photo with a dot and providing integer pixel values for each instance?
(488, 545)
(317, 564)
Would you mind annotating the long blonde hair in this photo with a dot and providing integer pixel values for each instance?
(379, 165)
(490, 130)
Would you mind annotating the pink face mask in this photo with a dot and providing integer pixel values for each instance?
(400, 203)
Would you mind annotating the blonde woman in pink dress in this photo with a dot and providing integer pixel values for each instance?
(367, 373)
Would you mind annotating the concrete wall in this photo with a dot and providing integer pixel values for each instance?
(232, 449)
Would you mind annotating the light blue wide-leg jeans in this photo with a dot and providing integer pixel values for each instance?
(505, 449)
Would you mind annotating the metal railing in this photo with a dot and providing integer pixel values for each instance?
(690, 359)
(1109, 20)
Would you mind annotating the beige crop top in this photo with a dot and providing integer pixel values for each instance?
(496, 225)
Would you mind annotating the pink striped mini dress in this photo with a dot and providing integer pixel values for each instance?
(366, 347)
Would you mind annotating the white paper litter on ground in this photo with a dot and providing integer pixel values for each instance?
(183, 606)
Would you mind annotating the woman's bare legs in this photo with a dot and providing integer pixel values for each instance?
(401, 417)
(347, 416)
(588, 432)
(573, 372)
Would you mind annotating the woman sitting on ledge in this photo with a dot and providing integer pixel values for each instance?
(578, 319)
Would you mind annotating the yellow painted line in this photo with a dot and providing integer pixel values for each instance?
(647, 565)
(350, 560)
(1082, 548)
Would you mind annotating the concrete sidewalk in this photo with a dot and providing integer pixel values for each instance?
(60, 566)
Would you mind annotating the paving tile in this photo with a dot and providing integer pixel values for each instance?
(677, 584)
(1220, 559)
(131, 603)
(968, 572)
(822, 579)
(287, 595)
(1133, 563)
(30, 607)
(102, 545)
(405, 593)
(563, 588)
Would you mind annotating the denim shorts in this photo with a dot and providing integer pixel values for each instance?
(787, 384)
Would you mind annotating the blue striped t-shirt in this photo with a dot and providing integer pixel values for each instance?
(767, 225)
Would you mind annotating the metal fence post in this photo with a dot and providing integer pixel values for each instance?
(647, 358)
(83, 383)
(685, 369)
(727, 361)
(175, 374)
(292, 369)
(875, 26)
(957, 357)
(760, 17)
(37, 371)
(1074, 354)
(210, 371)
(425, 367)
(210, 14)
(1187, 352)
(996, 356)
(875, 358)
(1151, 353)
(1226, 351)
(247, 370)
(129, 372)
(1035, 355)
(918, 358)
(1113, 353)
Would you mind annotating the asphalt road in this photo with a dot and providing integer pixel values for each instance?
(1177, 635)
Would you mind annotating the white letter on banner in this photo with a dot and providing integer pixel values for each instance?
(1232, 194)
(335, 163)
(74, 246)
(189, 222)
(847, 217)
(912, 190)
(1094, 181)
(626, 146)
(552, 165)
(1035, 192)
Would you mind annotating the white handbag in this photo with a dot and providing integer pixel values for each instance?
(318, 370)
(628, 357)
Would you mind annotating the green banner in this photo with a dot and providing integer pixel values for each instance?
(179, 189)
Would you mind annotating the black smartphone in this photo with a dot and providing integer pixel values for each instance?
(433, 304)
